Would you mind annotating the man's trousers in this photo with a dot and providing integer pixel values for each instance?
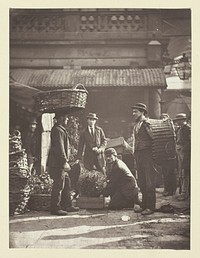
(146, 178)
(60, 195)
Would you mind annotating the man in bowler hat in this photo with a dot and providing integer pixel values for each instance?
(92, 144)
(183, 149)
(58, 167)
(142, 137)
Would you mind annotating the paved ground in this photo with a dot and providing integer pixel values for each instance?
(103, 229)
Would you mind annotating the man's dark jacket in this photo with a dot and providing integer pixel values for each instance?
(59, 149)
(87, 142)
(183, 143)
(121, 179)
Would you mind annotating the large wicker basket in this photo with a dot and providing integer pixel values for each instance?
(51, 101)
(39, 202)
(163, 140)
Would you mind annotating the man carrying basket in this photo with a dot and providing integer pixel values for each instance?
(58, 167)
(142, 142)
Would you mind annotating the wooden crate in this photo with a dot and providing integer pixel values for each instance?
(90, 202)
(120, 145)
(117, 144)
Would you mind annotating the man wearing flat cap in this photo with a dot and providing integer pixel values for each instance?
(183, 149)
(58, 167)
(121, 184)
(142, 135)
(92, 144)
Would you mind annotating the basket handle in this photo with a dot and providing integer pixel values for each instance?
(79, 86)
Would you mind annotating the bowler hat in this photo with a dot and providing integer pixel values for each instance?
(180, 116)
(92, 116)
(110, 151)
(164, 115)
(140, 107)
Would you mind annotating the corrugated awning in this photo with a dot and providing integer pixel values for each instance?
(63, 78)
(22, 94)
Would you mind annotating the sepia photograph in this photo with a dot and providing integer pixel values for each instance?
(99, 126)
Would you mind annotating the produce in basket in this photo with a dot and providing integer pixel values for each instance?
(41, 184)
(41, 187)
(91, 183)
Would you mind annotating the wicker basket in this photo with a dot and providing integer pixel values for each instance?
(51, 101)
(163, 140)
(18, 200)
(40, 202)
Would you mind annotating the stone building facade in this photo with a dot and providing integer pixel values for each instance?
(115, 53)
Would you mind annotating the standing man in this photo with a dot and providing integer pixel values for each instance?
(92, 143)
(58, 167)
(168, 170)
(31, 143)
(142, 136)
(121, 184)
(183, 148)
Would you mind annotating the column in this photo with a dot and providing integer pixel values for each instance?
(154, 103)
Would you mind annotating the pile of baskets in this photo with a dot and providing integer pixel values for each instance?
(19, 190)
(72, 99)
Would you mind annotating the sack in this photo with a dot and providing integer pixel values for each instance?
(166, 208)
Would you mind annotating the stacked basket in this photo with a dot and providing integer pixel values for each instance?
(163, 140)
(19, 190)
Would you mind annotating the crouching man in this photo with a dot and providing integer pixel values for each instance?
(121, 184)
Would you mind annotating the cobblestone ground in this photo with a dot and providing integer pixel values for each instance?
(103, 229)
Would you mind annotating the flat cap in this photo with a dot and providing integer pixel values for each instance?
(110, 151)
